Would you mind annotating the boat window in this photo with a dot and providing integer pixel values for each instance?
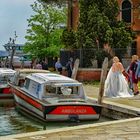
(50, 89)
(15, 78)
(33, 88)
(27, 83)
(67, 90)
(21, 82)
(64, 90)
(6, 78)
(3, 80)
(75, 90)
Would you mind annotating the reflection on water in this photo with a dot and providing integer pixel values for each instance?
(13, 122)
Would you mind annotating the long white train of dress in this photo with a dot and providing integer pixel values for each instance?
(116, 85)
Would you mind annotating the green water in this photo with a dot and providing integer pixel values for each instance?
(12, 122)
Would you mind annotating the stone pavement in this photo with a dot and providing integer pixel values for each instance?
(126, 129)
(92, 91)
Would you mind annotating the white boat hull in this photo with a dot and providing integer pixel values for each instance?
(53, 97)
(30, 109)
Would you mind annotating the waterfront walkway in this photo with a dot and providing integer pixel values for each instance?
(126, 129)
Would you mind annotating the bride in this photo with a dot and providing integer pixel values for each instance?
(116, 84)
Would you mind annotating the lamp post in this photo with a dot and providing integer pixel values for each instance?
(11, 47)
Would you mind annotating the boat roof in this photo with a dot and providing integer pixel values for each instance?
(6, 71)
(50, 78)
(32, 71)
(66, 84)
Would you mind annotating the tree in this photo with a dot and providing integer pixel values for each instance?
(98, 26)
(98, 22)
(69, 39)
(44, 32)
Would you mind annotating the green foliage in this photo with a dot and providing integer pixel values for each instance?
(44, 32)
(98, 22)
(122, 36)
(69, 39)
(58, 2)
(100, 55)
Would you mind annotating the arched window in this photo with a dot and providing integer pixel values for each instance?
(126, 11)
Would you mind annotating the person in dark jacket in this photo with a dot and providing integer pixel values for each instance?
(69, 66)
(44, 65)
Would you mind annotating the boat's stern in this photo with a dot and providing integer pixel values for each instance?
(73, 112)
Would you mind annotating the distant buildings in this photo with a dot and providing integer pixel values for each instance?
(4, 54)
(20, 59)
(18, 49)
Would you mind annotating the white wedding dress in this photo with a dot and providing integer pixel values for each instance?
(116, 85)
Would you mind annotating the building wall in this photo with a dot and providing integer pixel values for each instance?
(84, 74)
(136, 15)
(135, 25)
(138, 45)
(88, 74)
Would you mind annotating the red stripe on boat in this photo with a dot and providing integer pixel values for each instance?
(27, 99)
(73, 110)
(6, 90)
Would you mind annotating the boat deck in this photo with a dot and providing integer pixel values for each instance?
(126, 129)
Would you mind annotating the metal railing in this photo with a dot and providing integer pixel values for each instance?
(93, 58)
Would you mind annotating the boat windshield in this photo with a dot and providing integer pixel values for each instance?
(62, 90)
(6, 78)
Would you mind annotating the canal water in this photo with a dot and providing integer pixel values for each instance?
(13, 122)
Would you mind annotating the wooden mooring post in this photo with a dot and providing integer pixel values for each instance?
(75, 69)
(102, 80)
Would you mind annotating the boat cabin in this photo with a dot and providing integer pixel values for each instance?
(53, 97)
(6, 75)
(48, 86)
(19, 76)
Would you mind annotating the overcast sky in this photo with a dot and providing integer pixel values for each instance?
(13, 17)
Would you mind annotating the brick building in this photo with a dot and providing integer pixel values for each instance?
(129, 12)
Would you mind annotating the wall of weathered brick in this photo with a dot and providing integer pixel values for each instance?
(135, 24)
(138, 45)
(86, 74)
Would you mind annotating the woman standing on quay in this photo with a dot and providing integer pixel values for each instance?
(132, 72)
(116, 84)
